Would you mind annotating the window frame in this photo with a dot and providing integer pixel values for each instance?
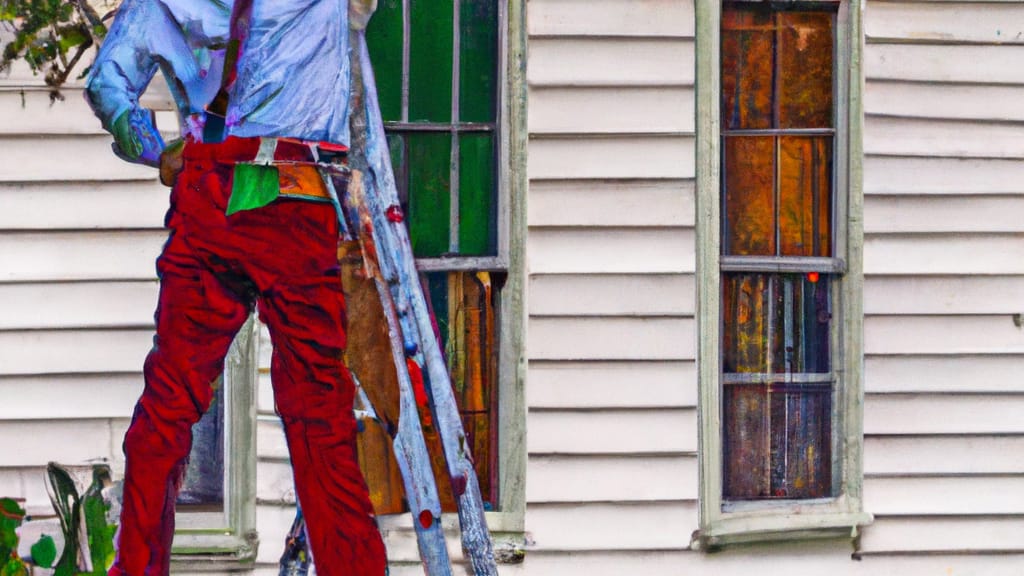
(766, 520)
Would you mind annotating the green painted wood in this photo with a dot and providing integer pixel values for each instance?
(476, 194)
(430, 60)
(384, 38)
(478, 71)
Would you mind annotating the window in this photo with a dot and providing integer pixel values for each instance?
(779, 270)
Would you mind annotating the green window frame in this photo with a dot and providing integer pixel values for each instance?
(725, 521)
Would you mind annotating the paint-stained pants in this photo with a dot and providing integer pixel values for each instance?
(214, 268)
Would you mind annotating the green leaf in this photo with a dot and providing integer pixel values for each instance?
(44, 552)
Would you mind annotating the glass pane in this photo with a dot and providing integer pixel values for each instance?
(745, 323)
(478, 21)
(203, 486)
(805, 69)
(748, 46)
(805, 196)
(476, 195)
(430, 61)
(429, 177)
(801, 447)
(384, 38)
(749, 182)
(745, 442)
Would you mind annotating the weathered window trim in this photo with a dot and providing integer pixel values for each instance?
(840, 516)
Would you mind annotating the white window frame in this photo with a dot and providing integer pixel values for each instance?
(838, 516)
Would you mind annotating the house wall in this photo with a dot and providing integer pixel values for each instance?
(612, 427)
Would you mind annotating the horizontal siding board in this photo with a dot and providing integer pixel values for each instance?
(611, 203)
(70, 397)
(32, 112)
(943, 100)
(31, 159)
(935, 295)
(909, 175)
(611, 251)
(77, 305)
(275, 483)
(66, 441)
(942, 138)
(626, 62)
(594, 385)
(940, 335)
(944, 63)
(618, 157)
(902, 534)
(995, 254)
(83, 206)
(617, 110)
(123, 255)
(945, 22)
(610, 295)
(944, 495)
(671, 18)
(608, 526)
(947, 414)
(943, 374)
(270, 440)
(936, 455)
(575, 338)
(663, 431)
(611, 479)
(910, 214)
(73, 351)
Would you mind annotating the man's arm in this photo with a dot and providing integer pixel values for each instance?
(122, 71)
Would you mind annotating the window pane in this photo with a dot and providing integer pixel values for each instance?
(430, 61)
(476, 195)
(805, 69)
(478, 60)
(745, 441)
(801, 447)
(805, 195)
(749, 182)
(203, 486)
(384, 38)
(748, 45)
(429, 178)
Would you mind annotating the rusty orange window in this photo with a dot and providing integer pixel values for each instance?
(778, 273)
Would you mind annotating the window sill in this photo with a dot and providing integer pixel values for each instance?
(773, 525)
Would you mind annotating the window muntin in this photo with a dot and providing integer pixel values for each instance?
(778, 141)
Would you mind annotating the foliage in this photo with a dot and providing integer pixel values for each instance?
(89, 509)
(52, 36)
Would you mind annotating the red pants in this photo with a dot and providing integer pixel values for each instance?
(214, 268)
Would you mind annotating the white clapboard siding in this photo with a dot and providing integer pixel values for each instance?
(26, 352)
(943, 214)
(38, 256)
(611, 526)
(83, 205)
(610, 295)
(614, 157)
(660, 431)
(924, 534)
(77, 305)
(32, 112)
(896, 295)
(614, 338)
(945, 415)
(976, 334)
(35, 443)
(602, 250)
(937, 100)
(945, 495)
(270, 438)
(275, 483)
(673, 18)
(653, 110)
(944, 254)
(592, 385)
(611, 203)
(59, 158)
(70, 397)
(909, 175)
(896, 455)
(942, 374)
(945, 22)
(610, 62)
(884, 135)
(612, 478)
(944, 63)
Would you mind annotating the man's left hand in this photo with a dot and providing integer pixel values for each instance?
(171, 162)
